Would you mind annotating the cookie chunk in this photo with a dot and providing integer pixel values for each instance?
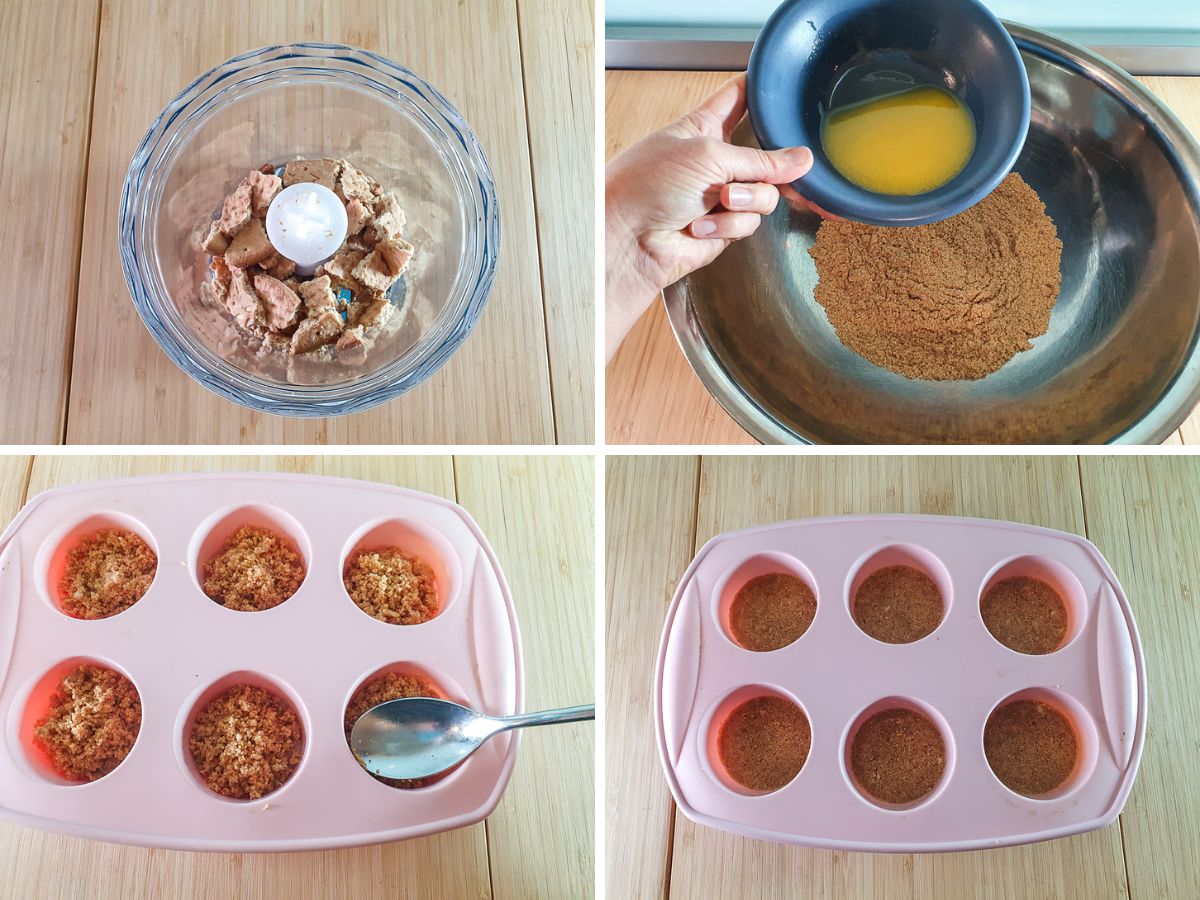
(250, 246)
(357, 214)
(235, 213)
(316, 171)
(318, 295)
(263, 189)
(215, 242)
(316, 331)
(354, 185)
(280, 303)
(389, 218)
(242, 303)
(343, 263)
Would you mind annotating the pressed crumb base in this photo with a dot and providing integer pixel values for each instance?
(255, 569)
(106, 573)
(390, 686)
(764, 743)
(246, 743)
(1025, 614)
(898, 605)
(391, 586)
(94, 718)
(1031, 746)
(770, 611)
(898, 756)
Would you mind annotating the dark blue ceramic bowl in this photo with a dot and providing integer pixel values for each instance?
(807, 45)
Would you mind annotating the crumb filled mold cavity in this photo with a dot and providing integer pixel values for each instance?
(244, 737)
(100, 567)
(898, 754)
(766, 602)
(400, 573)
(79, 722)
(900, 594)
(757, 741)
(1040, 743)
(251, 559)
(1033, 605)
(394, 682)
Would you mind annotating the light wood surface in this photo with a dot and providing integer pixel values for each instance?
(81, 367)
(1142, 512)
(649, 364)
(537, 515)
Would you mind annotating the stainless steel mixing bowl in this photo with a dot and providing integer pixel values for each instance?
(1120, 177)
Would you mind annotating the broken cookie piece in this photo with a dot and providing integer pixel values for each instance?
(280, 303)
(343, 263)
(215, 242)
(235, 213)
(242, 303)
(318, 295)
(379, 270)
(354, 185)
(249, 246)
(373, 313)
(350, 346)
(317, 171)
(316, 331)
(357, 214)
(263, 188)
(389, 218)
(396, 255)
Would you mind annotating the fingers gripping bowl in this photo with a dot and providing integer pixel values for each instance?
(312, 101)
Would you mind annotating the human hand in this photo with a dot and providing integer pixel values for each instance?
(677, 198)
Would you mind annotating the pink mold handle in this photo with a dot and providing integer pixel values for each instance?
(180, 649)
(956, 676)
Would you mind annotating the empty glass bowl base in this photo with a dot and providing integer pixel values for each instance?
(310, 100)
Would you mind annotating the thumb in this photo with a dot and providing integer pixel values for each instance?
(749, 164)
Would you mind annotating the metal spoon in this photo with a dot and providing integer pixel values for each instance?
(419, 736)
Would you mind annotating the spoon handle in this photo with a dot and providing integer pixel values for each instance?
(550, 717)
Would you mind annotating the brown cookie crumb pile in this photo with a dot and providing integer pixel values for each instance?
(764, 743)
(954, 299)
(254, 570)
(391, 686)
(339, 310)
(94, 718)
(1030, 746)
(898, 605)
(898, 756)
(246, 742)
(106, 573)
(770, 611)
(1025, 614)
(391, 586)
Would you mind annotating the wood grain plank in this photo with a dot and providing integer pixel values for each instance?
(650, 513)
(1143, 512)
(495, 389)
(47, 68)
(40, 864)
(649, 365)
(538, 513)
(557, 56)
(736, 492)
(14, 477)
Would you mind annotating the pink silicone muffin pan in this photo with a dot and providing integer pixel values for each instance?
(180, 649)
(956, 676)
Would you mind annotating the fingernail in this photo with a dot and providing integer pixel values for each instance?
(739, 196)
(800, 156)
(703, 227)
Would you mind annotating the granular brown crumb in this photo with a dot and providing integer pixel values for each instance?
(94, 718)
(390, 686)
(246, 742)
(898, 756)
(391, 586)
(770, 611)
(898, 605)
(1030, 746)
(106, 573)
(1025, 614)
(955, 299)
(255, 569)
(764, 743)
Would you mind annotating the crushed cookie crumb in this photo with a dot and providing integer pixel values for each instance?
(898, 756)
(246, 743)
(94, 718)
(1031, 746)
(764, 743)
(255, 569)
(106, 573)
(392, 586)
(381, 689)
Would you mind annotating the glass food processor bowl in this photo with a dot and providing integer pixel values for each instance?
(310, 100)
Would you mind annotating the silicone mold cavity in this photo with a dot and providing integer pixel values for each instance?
(759, 564)
(1053, 573)
(52, 557)
(201, 698)
(213, 533)
(902, 555)
(883, 705)
(35, 702)
(711, 732)
(412, 539)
